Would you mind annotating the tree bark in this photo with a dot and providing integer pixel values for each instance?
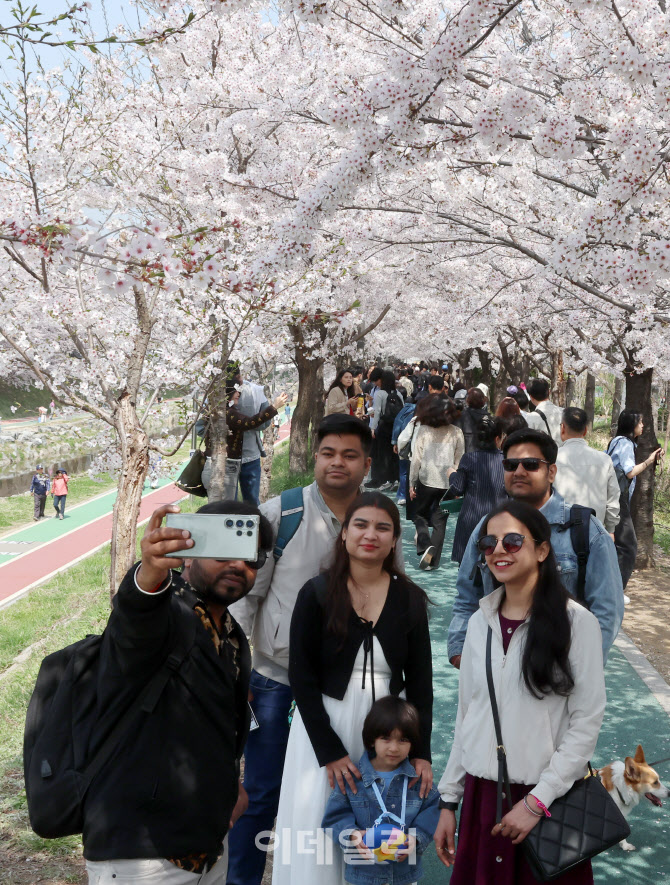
(569, 391)
(218, 438)
(590, 398)
(309, 388)
(269, 437)
(638, 397)
(667, 416)
(134, 444)
(616, 404)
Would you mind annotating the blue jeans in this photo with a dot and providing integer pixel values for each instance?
(250, 481)
(403, 468)
(263, 767)
(59, 503)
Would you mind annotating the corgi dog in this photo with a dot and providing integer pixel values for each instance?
(628, 781)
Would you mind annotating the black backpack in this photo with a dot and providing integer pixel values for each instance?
(61, 724)
(579, 525)
(392, 408)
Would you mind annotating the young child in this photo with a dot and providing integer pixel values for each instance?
(390, 732)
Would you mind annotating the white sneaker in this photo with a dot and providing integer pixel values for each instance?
(401, 502)
(385, 487)
(626, 599)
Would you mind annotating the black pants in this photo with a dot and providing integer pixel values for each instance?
(426, 514)
(384, 459)
(625, 541)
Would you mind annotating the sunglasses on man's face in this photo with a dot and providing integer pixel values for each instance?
(530, 465)
(512, 542)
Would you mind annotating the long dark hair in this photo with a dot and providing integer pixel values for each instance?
(349, 391)
(628, 421)
(545, 664)
(338, 600)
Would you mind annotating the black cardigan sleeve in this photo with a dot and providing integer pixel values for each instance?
(306, 641)
(419, 680)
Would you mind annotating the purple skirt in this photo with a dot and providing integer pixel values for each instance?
(483, 859)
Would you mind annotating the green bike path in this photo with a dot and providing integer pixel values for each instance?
(633, 715)
(30, 555)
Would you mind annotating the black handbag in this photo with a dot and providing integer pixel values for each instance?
(190, 479)
(584, 822)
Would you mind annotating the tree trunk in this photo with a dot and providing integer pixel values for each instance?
(318, 407)
(638, 397)
(616, 404)
(310, 387)
(134, 445)
(569, 391)
(218, 438)
(269, 437)
(667, 416)
(590, 398)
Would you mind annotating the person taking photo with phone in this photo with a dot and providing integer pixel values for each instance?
(161, 808)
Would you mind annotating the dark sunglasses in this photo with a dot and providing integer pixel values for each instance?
(530, 465)
(512, 542)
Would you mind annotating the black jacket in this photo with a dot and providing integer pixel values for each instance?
(319, 664)
(171, 786)
(469, 424)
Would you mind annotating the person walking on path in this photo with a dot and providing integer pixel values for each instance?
(388, 404)
(341, 461)
(358, 632)
(546, 417)
(341, 396)
(622, 452)
(252, 400)
(474, 410)
(438, 449)
(39, 489)
(550, 691)
(480, 479)
(59, 492)
(529, 462)
(161, 811)
(585, 475)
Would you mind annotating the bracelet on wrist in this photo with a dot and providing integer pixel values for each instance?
(530, 810)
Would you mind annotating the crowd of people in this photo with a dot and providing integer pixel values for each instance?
(340, 679)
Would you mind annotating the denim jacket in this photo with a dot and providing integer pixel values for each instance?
(360, 810)
(603, 591)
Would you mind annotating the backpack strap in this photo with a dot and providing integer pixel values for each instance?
(544, 418)
(292, 508)
(579, 525)
(145, 701)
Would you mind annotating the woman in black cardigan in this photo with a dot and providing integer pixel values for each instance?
(358, 632)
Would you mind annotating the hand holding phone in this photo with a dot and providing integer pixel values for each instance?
(157, 543)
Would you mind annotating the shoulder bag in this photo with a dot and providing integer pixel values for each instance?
(583, 823)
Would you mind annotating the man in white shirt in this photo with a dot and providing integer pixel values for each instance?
(547, 417)
(585, 475)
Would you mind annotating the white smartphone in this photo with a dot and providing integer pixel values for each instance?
(217, 535)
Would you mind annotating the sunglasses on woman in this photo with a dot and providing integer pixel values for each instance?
(530, 465)
(512, 542)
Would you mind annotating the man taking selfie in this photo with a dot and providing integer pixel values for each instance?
(160, 810)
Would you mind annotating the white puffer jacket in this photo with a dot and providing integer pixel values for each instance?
(548, 742)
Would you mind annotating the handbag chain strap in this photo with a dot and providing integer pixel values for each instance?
(503, 775)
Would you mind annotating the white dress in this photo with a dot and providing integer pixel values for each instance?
(303, 854)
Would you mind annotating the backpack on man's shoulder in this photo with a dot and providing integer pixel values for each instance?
(292, 509)
(392, 408)
(579, 526)
(61, 727)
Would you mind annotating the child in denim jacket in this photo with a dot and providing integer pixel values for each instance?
(390, 731)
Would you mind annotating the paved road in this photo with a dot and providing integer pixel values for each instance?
(34, 553)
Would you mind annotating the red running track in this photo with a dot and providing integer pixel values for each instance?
(19, 575)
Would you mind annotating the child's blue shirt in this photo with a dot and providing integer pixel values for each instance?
(358, 811)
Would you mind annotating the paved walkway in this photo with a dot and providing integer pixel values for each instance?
(634, 715)
(31, 555)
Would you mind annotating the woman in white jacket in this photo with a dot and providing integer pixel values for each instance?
(550, 689)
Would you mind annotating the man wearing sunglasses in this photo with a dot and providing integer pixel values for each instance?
(530, 469)
(161, 808)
